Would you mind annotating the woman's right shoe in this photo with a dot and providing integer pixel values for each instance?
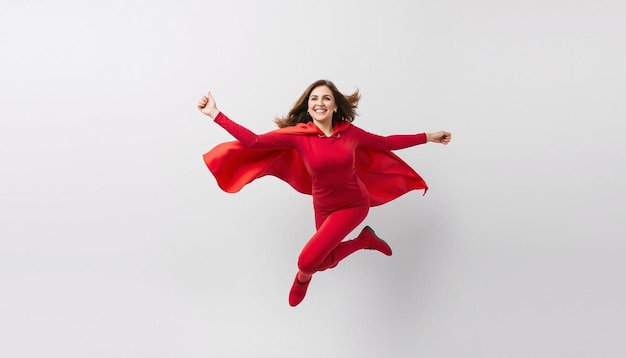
(374, 242)
(298, 291)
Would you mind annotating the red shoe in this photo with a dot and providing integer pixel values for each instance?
(374, 242)
(298, 291)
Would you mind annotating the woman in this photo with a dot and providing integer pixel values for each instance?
(318, 151)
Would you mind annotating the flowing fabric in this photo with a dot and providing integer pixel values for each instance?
(384, 174)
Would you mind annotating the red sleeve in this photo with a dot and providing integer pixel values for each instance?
(251, 140)
(392, 142)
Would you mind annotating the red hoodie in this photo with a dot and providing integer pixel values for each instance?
(339, 170)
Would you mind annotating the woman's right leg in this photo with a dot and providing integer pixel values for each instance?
(327, 247)
(318, 252)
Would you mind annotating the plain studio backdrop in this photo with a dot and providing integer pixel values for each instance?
(115, 240)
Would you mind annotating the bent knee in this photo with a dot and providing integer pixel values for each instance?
(307, 264)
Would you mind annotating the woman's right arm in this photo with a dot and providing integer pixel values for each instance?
(247, 138)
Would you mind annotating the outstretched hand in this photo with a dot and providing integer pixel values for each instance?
(442, 137)
(207, 105)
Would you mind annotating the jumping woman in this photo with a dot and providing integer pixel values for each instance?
(318, 151)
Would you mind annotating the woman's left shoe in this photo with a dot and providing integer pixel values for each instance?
(298, 291)
(374, 242)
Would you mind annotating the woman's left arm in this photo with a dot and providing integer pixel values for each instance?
(400, 141)
(442, 137)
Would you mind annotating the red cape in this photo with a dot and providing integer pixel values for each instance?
(385, 175)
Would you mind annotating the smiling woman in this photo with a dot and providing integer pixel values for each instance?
(318, 151)
(319, 100)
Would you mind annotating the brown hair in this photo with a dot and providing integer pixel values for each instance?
(346, 106)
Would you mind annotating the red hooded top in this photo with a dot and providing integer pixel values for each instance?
(337, 170)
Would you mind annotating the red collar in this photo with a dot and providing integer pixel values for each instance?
(310, 128)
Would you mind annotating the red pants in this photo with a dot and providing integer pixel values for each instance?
(326, 248)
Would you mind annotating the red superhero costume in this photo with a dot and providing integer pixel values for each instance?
(346, 173)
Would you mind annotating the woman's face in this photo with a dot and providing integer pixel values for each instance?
(322, 104)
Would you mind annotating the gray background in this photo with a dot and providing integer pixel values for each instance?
(115, 240)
